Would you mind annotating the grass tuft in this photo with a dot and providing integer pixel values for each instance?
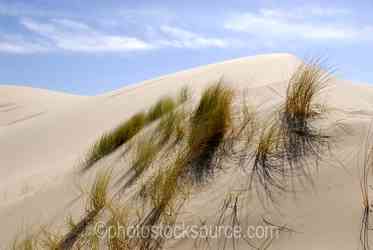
(268, 170)
(112, 140)
(210, 122)
(171, 126)
(109, 142)
(99, 191)
(163, 106)
(97, 200)
(146, 151)
(166, 192)
(301, 109)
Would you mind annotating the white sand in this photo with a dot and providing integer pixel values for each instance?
(44, 134)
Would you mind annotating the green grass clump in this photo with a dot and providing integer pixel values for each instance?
(210, 122)
(163, 106)
(109, 142)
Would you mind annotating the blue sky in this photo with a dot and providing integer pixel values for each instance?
(89, 47)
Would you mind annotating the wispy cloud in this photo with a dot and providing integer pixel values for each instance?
(306, 12)
(70, 35)
(18, 45)
(181, 38)
(75, 36)
(300, 23)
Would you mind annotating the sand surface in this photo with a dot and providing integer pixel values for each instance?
(44, 135)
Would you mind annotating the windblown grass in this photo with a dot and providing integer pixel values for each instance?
(99, 191)
(210, 122)
(146, 151)
(171, 126)
(163, 106)
(301, 109)
(97, 200)
(112, 140)
(166, 193)
(109, 142)
(268, 171)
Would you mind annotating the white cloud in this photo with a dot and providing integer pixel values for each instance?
(304, 12)
(181, 38)
(13, 48)
(17, 45)
(75, 36)
(281, 24)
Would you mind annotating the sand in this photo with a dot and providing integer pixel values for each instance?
(44, 135)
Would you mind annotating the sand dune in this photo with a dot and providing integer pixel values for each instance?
(44, 135)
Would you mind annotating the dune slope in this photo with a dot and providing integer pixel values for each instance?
(45, 135)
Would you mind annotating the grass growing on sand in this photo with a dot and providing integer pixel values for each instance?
(167, 191)
(283, 151)
(268, 169)
(301, 109)
(110, 141)
(97, 200)
(210, 122)
(146, 151)
(171, 126)
(161, 107)
(198, 139)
